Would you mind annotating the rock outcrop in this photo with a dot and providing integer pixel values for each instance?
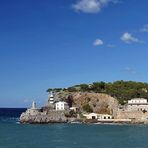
(100, 103)
(41, 118)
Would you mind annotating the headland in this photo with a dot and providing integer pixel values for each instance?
(91, 103)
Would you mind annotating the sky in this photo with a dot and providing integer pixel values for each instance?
(59, 43)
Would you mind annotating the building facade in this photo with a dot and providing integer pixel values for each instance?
(91, 116)
(97, 116)
(61, 105)
(104, 116)
(137, 104)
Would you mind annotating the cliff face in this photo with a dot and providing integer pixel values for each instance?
(99, 103)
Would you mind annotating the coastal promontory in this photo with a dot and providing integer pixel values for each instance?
(121, 102)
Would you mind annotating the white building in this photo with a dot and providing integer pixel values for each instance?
(75, 109)
(97, 116)
(91, 116)
(61, 105)
(137, 101)
(137, 104)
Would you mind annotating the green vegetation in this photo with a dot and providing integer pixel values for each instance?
(84, 87)
(122, 90)
(54, 89)
(71, 89)
(87, 108)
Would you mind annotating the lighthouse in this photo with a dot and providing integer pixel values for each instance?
(51, 98)
(33, 105)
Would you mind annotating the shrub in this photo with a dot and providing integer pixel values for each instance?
(87, 108)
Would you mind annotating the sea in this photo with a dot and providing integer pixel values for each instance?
(76, 135)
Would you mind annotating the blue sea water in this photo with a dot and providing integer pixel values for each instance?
(15, 135)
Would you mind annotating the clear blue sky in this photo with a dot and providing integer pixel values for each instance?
(59, 43)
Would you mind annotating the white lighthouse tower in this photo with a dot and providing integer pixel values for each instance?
(33, 105)
(51, 98)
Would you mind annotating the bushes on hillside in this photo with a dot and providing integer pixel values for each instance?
(87, 108)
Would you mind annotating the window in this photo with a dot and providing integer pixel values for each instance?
(93, 117)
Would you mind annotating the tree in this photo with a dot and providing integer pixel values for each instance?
(98, 87)
(57, 89)
(49, 90)
(71, 89)
(84, 87)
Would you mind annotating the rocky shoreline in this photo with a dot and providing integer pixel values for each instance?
(59, 117)
(42, 118)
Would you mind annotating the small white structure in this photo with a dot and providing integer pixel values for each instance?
(137, 104)
(33, 110)
(61, 105)
(33, 105)
(91, 116)
(51, 98)
(97, 116)
(73, 109)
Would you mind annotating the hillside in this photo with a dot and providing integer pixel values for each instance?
(90, 102)
(121, 90)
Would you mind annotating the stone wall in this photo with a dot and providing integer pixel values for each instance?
(134, 115)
